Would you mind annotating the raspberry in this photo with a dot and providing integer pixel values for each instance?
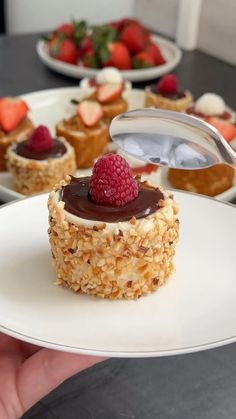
(168, 84)
(40, 140)
(112, 182)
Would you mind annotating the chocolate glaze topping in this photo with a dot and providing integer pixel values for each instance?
(78, 202)
(23, 150)
(174, 95)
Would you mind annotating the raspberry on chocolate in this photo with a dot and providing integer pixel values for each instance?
(112, 182)
(168, 84)
(41, 139)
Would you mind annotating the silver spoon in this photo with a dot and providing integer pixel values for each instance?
(172, 139)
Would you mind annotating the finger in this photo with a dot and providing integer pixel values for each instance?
(45, 370)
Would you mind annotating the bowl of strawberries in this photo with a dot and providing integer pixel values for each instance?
(78, 49)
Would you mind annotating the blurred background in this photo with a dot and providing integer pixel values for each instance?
(208, 25)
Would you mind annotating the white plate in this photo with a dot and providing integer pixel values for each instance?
(195, 310)
(170, 51)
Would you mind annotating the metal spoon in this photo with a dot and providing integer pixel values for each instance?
(172, 139)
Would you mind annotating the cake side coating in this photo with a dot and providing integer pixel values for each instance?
(127, 261)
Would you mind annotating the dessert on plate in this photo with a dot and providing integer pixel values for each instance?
(211, 105)
(109, 75)
(166, 95)
(86, 132)
(14, 124)
(39, 162)
(211, 181)
(111, 235)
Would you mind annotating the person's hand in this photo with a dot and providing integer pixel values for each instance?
(28, 372)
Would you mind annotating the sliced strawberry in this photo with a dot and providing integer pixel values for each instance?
(168, 84)
(120, 56)
(107, 93)
(63, 50)
(67, 29)
(12, 112)
(142, 60)
(90, 112)
(147, 169)
(132, 37)
(155, 53)
(226, 129)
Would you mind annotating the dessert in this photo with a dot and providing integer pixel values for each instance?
(39, 162)
(120, 232)
(211, 181)
(110, 98)
(14, 125)
(86, 132)
(107, 75)
(211, 105)
(167, 95)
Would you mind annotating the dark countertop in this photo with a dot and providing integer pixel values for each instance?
(194, 386)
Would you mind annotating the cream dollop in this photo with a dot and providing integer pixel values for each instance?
(109, 75)
(210, 104)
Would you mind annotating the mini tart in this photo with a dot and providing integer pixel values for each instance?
(22, 132)
(115, 260)
(88, 142)
(112, 109)
(157, 100)
(227, 116)
(211, 181)
(32, 176)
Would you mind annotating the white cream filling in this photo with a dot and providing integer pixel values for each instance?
(210, 104)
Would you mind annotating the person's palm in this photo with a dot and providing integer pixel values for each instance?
(28, 372)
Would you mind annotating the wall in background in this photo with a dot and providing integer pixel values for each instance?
(24, 16)
(217, 29)
(158, 15)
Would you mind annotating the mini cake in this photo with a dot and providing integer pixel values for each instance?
(107, 75)
(14, 125)
(40, 162)
(112, 236)
(211, 105)
(166, 95)
(211, 181)
(86, 132)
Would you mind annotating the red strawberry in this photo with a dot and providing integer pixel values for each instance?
(147, 169)
(142, 60)
(40, 140)
(67, 29)
(90, 112)
(86, 46)
(120, 57)
(155, 53)
(168, 84)
(226, 129)
(63, 50)
(112, 182)
(107, 93)
(127, 21)
(12, 112)
(132, 37)
(89, 59)
(147, 35)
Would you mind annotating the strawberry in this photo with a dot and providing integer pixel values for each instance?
(107, 93)
(12, 112)
(63, 50)
(132, 37)
(127, 21)
(226, 129)
(86, 46)
(90, 59)
(119, 56)
(144, 170)
(155, 53)
(168, 84)
(142, 60)
(90, 112)
(67, 29)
